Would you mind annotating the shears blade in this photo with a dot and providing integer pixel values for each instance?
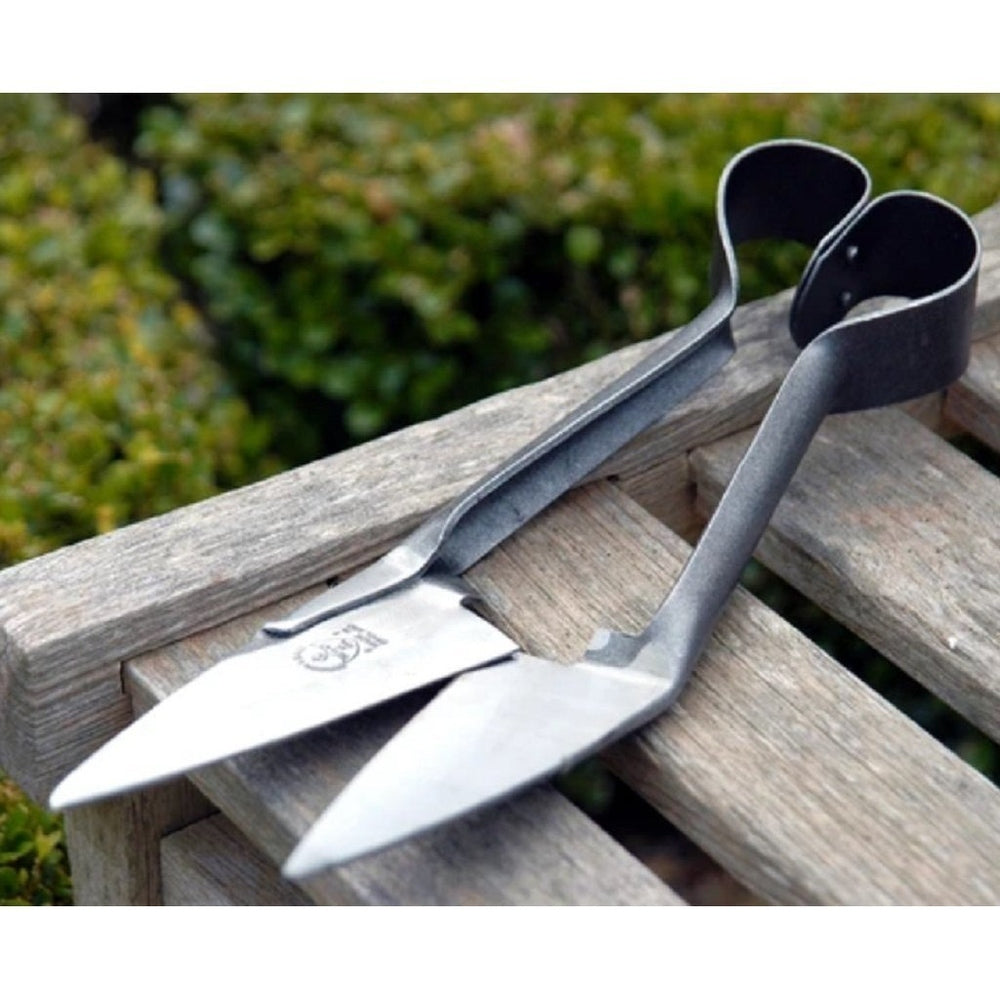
(489, 734)
(407, 640)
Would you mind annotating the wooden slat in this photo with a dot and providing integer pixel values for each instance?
(895, 533)
(69, 618)
(114, 846)
(974, 401)
(987, 318)
(780, 763)
(210, 864)
(537, 850)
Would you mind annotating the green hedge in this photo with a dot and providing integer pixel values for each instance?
(111, 406)
(33, 866)
(373, 261)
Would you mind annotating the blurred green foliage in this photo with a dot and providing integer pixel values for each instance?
(111, 406)
(33, 869)
(370, 261)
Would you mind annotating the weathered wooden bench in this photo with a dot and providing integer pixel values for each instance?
(795, 776)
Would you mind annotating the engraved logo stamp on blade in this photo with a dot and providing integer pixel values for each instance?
(338, 648)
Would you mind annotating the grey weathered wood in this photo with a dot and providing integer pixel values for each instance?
(974, 401)
(538, 850)
(76, 613)
(780, 763)
(896, 534)
(68, 619)
(209, 863)
(987, 319)
(114, 846)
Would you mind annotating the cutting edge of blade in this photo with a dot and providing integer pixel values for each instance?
(314, 853)
(426, 631)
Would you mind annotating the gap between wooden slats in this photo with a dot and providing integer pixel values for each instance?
(974, 401)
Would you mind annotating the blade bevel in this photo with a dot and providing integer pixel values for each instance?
(399, 643)
(489, 734)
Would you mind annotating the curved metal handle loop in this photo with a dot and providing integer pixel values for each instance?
(909, 244)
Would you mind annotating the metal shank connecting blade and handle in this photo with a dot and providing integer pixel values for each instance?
(497, 730)
(904, 244)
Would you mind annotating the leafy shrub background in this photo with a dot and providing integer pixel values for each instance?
(33, 869)
(111, 406)
(370, 261)
(258, 280)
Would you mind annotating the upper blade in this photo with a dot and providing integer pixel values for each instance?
(489, 734)
(397, 644)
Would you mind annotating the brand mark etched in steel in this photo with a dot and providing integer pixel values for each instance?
(339, 648)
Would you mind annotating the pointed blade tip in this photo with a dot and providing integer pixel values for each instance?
(71, 793)
(297, 868)
(59, 799)
(324, 847)
(75, 790)
(306, 861)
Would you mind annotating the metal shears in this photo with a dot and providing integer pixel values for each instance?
(406, 621)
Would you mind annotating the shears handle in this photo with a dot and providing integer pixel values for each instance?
(906, 245)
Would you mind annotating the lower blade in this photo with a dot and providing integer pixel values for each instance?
(397, 644)
(488, 735)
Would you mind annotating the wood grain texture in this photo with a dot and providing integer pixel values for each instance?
(537, 850)
(974, 401)
(210, 864)
(987, 318)
(802, 782)
(782, 765)
(114, 846)
(69, 618)
(896, 534)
